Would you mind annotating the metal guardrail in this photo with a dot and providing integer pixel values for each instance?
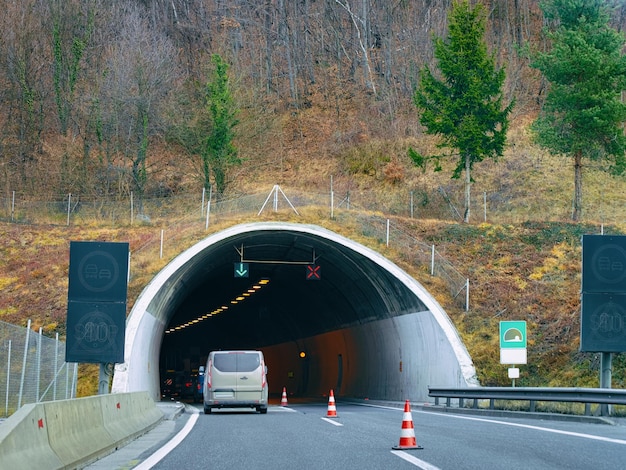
(588, 396)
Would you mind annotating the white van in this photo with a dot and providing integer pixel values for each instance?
(235, 379)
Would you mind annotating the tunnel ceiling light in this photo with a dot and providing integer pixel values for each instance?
(254, 288)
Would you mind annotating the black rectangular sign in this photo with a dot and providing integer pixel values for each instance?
(95, 332)
(604, 263)
(603, 322)
(98, 271)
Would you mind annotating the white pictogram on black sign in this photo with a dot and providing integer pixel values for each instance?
(608, 264)
(96, 333)
(98, 271)
(609, 321)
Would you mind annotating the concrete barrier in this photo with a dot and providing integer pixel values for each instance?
(128, 415)
(24, 440)
(68, 434)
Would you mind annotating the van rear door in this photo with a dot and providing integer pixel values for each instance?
(250, 376)
(224, 375)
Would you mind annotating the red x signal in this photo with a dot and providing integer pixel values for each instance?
(313, 272)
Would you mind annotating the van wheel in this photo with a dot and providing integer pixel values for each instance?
(262, 409)
(207, 410)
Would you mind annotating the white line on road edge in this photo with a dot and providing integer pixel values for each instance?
(505, 423)
(414, 460)
(332, 422)
(171, 445)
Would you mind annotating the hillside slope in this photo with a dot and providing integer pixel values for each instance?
(529, 271)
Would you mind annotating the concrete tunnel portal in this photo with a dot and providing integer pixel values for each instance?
(365, 328)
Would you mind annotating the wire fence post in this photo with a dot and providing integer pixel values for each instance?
(56, 366)
(332, 199)
(19, 399)
(38, 368)
(467, 295)
(208, 208)
(202, 204)
(161, 246)
(485, 205)
(69, 207)
(6, 403)
(387, 232)
(432, 260)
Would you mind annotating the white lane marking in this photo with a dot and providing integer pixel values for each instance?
(171, 444)
(280, 408)
(519, 425)
(332, 422)
(414, 460)
(539, 428)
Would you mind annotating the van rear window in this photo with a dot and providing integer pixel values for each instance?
(236, 362)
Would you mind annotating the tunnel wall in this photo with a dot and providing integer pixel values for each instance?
(392, 359)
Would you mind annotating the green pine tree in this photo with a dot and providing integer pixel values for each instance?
(583, 114)
(219, 152)
(463, 107)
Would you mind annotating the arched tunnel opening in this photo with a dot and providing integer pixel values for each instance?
(327, 312)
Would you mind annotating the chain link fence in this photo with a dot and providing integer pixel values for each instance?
(193, 213)
(32, 369)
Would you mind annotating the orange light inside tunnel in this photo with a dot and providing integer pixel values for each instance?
(235, 301)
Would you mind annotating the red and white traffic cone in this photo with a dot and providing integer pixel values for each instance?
(332, 410)
(407, 436)
(283, 400)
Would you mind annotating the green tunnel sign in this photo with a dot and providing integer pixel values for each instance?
(513, 342)
(512, 334)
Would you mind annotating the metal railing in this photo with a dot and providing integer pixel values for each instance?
(32, 368)
(588, 396)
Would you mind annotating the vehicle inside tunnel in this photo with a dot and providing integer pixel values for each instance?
(327, 312)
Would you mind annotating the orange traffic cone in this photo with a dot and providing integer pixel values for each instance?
(407, 436)
(283, 400)
(332, 411)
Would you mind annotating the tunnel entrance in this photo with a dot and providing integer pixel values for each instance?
(327, 312)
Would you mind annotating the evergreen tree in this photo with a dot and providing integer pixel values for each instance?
(464, 107)
(219, 153)
(583, 114)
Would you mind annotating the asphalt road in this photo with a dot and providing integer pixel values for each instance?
(300, 436)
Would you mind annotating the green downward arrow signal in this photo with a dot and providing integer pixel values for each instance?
(241, 269)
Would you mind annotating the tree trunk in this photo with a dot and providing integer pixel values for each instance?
(468, 185)
(578, 186)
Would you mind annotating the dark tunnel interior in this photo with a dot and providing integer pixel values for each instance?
(270, 287)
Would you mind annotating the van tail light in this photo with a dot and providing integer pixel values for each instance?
(263, 381)
(208, 374)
